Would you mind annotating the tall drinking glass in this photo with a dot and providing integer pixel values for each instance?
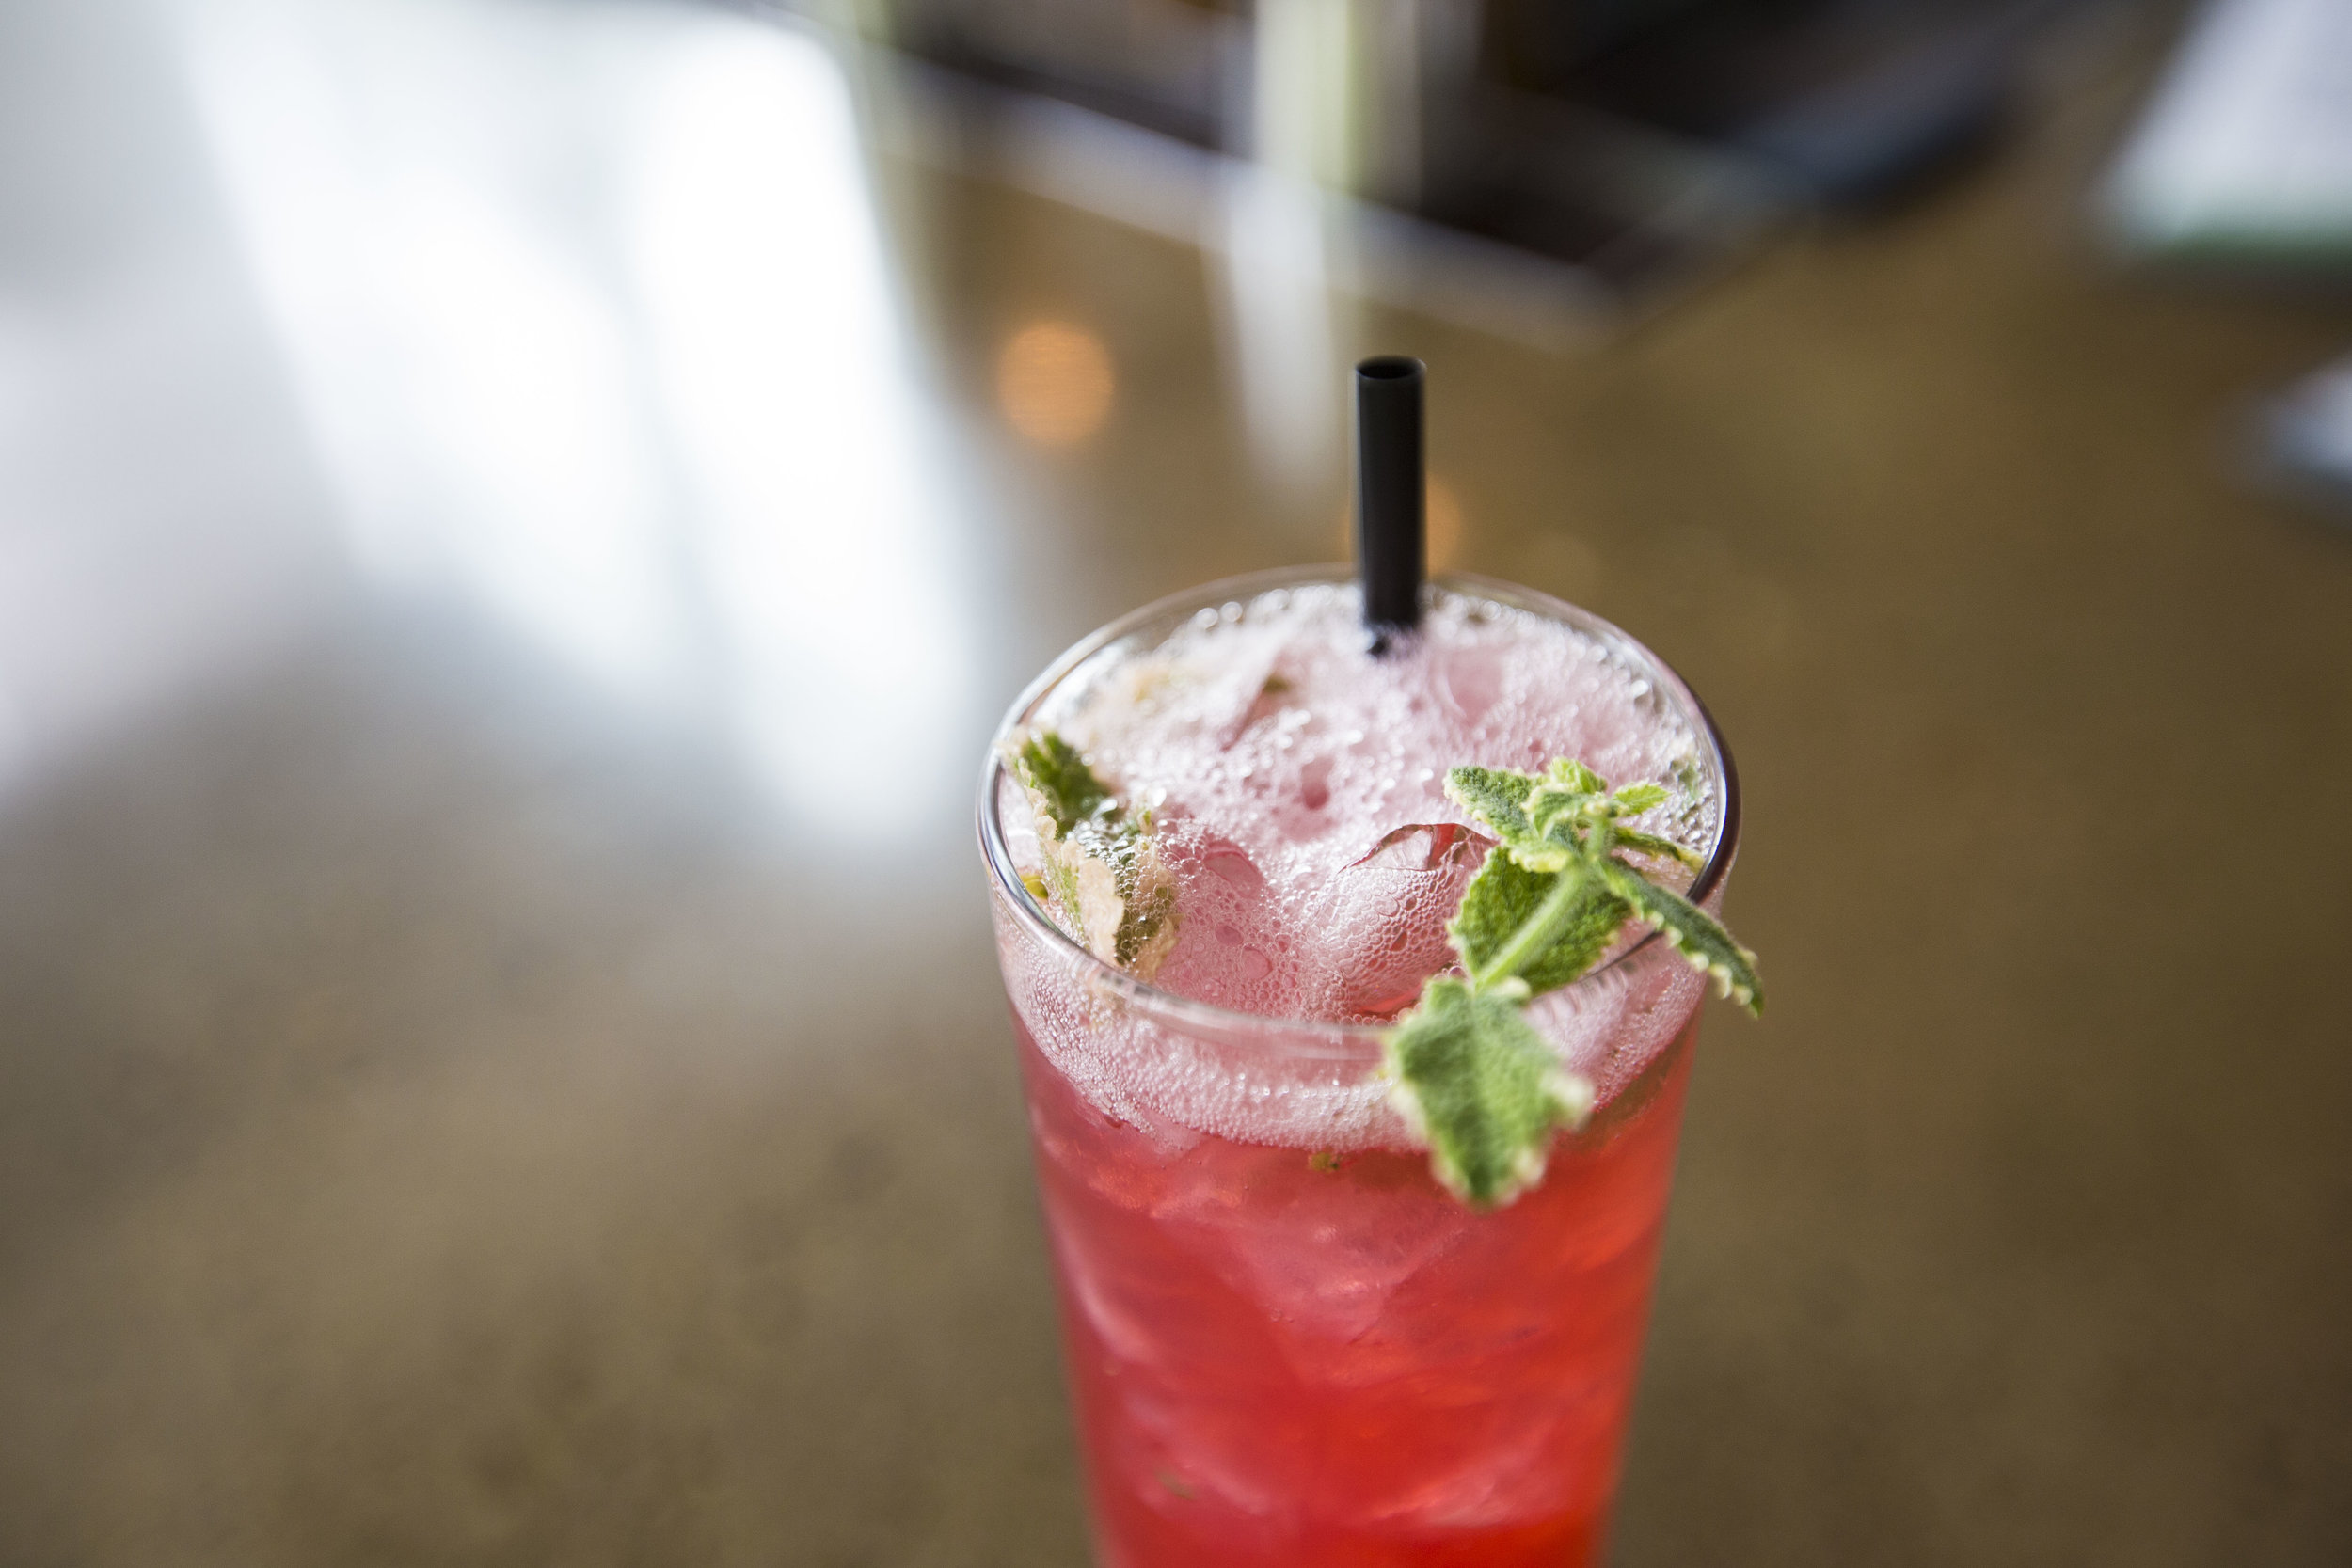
(1287, 1343)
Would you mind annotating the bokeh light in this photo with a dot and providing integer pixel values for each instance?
(1442, 521)
(1054, 383)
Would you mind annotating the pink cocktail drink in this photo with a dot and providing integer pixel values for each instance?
(1280, 1363)
(1288, 1343)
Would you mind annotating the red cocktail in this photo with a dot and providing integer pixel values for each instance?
(1288, 1343)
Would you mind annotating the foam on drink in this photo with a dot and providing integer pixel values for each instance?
(1297, 787)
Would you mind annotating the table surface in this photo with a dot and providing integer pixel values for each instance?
(515, 523)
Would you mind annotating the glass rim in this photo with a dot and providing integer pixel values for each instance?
(1200, 1017)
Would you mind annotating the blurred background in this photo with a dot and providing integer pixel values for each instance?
(517, 518)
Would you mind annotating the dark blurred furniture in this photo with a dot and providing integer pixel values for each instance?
(1633, 138)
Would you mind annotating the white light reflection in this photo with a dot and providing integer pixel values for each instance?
(785, 367)
(462, 373)
(589, 310)
(1275, 314)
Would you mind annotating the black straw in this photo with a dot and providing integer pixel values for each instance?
(1389, 526)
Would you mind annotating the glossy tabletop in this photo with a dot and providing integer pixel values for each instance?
(515, 523)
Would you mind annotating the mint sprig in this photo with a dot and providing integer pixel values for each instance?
(1103, 875)
(1467, 1070)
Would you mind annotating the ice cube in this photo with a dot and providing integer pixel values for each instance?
(1381, 928)
(1425, 847)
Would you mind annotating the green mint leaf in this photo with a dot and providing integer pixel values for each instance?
(1102, 876)
(1553, 809)
(1665, 849)
(1060, 783)
(1633, 799)
(1481, 1087)
(1502, 899)
(1691, 932)
(1572, 774)
(1496, 797)
(1146, 891)
(1506, 801)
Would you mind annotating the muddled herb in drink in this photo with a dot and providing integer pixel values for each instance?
(1103, 873)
